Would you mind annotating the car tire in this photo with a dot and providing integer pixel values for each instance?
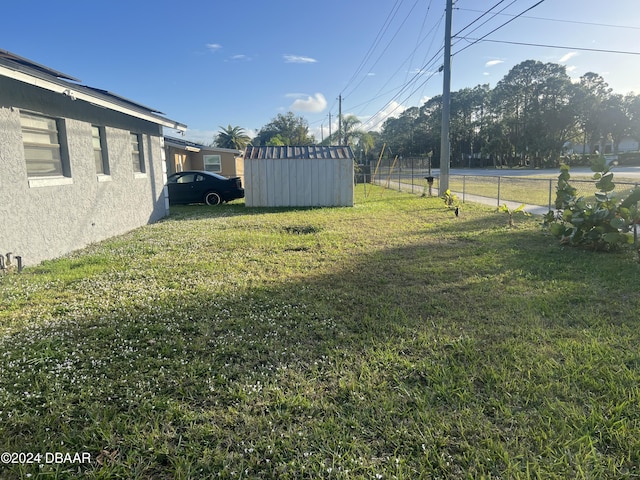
(212, 198)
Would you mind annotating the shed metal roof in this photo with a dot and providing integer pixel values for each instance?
(187, 144)
(30, 72)
(295, 152)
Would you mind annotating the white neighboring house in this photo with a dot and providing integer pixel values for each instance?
(627, 144)
(77, 164)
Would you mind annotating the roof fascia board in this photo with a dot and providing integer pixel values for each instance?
(67, 89)
(177, 143)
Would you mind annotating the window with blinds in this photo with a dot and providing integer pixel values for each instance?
(136, 153)
(99, 150)
(42, 148)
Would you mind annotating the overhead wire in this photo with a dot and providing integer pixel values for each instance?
(481, 16)
(381, 33)
(577, 22)
(585, 49)
(383, 29)
(407, 84)
(414, 78)
(499, 27)
(387, 46)
(495, 14)
(373, 121)
(417, 71)
(418, 41)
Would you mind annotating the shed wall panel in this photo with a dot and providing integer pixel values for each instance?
(299, 182)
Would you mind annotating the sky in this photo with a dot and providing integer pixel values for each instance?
(212, 63)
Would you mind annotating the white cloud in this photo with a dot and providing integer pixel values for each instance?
(239, 58)
(308, 103)
(493, 63)
(567, 57)
(298, 59)
(213, 47)
(391, 109)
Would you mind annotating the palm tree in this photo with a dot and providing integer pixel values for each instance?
(364, 141)
(232, 137)
(349, 130)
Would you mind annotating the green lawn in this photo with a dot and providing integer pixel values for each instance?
(530, 190)
(389, 340)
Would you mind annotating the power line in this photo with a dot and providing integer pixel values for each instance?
(383, 29)
(500, 26)
(594, 24)
(417, 73)
(388, 45)
(418, 41)
(483, 14)
(495, 14)
(486, 21)
(396, 96)
(476, 40)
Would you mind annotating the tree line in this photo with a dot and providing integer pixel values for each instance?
(533, 116)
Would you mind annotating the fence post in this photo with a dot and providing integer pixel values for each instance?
(499, 190)
(635, 228)
(464, 188)
(550, 187)
(411, 174)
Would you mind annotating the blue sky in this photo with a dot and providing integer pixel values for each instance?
(213, 63)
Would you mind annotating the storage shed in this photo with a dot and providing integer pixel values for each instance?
(299, 176)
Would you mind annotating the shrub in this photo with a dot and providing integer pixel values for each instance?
(450, 199)
(511, 212)
(602, 222)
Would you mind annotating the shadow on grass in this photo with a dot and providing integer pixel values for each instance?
(464, 353)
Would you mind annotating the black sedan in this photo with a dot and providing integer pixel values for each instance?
(203, 187)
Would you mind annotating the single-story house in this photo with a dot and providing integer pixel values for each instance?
(627, 144)
(185, 155)
(299, 176)
(77, 164)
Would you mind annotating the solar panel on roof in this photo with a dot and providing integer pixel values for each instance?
(12, 57)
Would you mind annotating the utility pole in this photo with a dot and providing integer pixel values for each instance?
(339, 119)
(445, 153)
(330, 139)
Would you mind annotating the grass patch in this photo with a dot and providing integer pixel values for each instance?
(531, 189)
(387, 340)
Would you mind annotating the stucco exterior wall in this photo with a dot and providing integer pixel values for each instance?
(45, 219)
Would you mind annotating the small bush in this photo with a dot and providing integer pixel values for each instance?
(602, 224)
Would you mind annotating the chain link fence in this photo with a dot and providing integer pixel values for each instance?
(412, 174)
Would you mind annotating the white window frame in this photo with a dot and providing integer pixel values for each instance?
(98, 135)
(215, 164)
(137, 153)
(58, 151)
